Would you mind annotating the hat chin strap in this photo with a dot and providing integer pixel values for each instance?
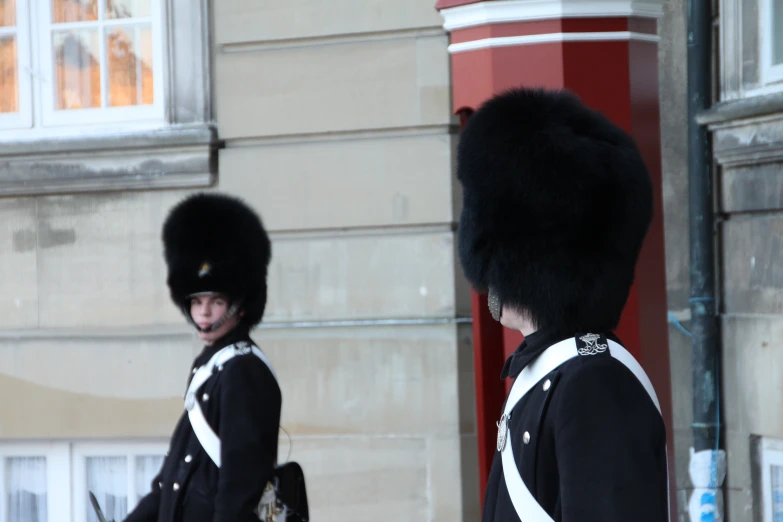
(231, 312)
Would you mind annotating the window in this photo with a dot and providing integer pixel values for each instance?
(118, 477)
(91, 61)
(30, 489)
(33, 478)
(771, 471)
(771, 13)
(15, 84)
(104, 95)
(104, 58)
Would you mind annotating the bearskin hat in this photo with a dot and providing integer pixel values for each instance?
(557, 202)
(216, 243)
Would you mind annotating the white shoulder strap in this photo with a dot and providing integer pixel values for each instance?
(551, 359)
(204, 432)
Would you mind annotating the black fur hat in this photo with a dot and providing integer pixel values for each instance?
(216, 243)
(557, 202)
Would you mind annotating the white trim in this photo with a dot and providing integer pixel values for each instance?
(505, 11)
(532, 39)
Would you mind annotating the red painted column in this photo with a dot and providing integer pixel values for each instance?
(607, 54)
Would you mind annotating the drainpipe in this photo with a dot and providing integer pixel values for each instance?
(708, 462)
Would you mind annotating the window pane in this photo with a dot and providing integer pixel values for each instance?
(146, 470)
(64, 11)
(777, 493)
(777, 32)
(9, 89)
(107, 478)
(7, 13)
(127, 8)
(26, 480)
(130, 65)
(77, 69)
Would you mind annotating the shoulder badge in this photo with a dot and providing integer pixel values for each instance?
(591, 344)
(243, 348)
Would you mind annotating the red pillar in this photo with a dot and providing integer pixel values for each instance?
(606, 52)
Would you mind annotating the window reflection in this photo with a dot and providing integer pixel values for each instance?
(7, 13)
(77, 69)
(66, 11)
(9, 88)
(130, 66)
(128, 9)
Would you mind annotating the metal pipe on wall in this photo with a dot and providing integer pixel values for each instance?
(707, 466)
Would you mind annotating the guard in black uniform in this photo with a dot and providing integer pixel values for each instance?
(557, 202)
(217, 253)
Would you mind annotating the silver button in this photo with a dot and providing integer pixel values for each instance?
(188, 458)
(547, 384)
(195, 370)
(526, 437)
(220, 368)
(160, 485)
(205, 397)
(175, 487)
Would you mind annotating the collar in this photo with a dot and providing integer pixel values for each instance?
(534, 345)
(239, 333)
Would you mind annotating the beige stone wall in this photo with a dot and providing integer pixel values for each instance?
(338, 130)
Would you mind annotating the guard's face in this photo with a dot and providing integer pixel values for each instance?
(205, 310)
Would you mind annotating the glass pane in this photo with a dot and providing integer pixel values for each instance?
(127, 8)
(777, 32)
(26, 497)
(777, 493)
(77, 69)
(129, 49)
(107, 478)
(9, 89)
(64, 11)
(146, 470)
(7, 13)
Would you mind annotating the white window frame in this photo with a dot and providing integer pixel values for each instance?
(769, 73)
(75, 117)
(130, 451)
(771, 455)
(66, 476)
(57, 455)
(36, 77)
(23, 118)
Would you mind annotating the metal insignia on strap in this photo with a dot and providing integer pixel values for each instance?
(243, 348)
(592, 345)
(190, 400)
(502, 432)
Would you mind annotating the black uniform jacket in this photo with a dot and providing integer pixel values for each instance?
(242, 405)
(596, 450)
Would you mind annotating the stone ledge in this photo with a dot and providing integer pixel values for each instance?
(176, 157)
(733, 112)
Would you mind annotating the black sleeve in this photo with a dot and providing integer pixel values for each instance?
(250, 403)
(610, 442)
